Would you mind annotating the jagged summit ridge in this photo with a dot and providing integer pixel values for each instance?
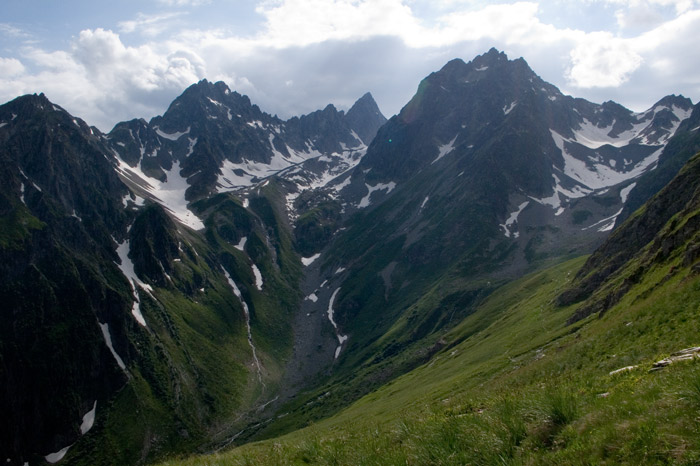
(580, 148)
(212, 139)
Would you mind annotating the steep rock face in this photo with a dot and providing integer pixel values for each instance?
(153, 245)
(365, 118)
(61, 203)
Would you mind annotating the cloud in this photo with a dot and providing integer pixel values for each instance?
(149, 25)
(102, 80)
(12, 31)
(305, 22)
(10, 67)
(309, 53)
(602, 61)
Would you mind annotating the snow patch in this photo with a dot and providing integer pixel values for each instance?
(340, 270)
(309, 260)
(364, 202)
(171, 193)
(108, 341)
(600, 175)
(593, 136)
(606, 224)
(342, 185)
(508, 108)
(482, 68)
(341, 338)
(241, 244)
(127, 268)
(512, 218)
(246, 312)
(312, 297)
(88, 420)
(58, 456)
(425, 201)
(258, 277)
(445, 149)
(246, 173)
(624, 192)
(171, 136)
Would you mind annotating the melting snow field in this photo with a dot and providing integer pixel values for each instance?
(88, 420)
(512, 218)
(606, 224)
(309, 260)
(241, 244)
(127, 268)
(365, 201)
(600, 175)
(171, 136)
(58, 456)
(258, 277)
(625, 192)
(170, 193)
(246, 173)
(593, 136)
(108, 340)
(445, 149)
(341, 338)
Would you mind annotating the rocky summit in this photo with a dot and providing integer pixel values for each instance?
(219, 275)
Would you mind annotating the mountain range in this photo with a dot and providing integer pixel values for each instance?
(219, 275)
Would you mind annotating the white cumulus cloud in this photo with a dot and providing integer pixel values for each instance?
(10, 67)
(307, 53)
(602, 61)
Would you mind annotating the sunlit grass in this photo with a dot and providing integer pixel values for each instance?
(519, 386)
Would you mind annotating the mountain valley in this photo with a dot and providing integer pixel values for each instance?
(472, 270)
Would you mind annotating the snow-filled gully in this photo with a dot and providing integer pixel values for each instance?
(341, 338)
(127, 268)
(246, 311)
(87, 422)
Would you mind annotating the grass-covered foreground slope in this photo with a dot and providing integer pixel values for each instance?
(516, 383)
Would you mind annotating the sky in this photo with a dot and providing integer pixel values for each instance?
(107, 62)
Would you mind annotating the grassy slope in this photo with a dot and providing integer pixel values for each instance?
(516, 385)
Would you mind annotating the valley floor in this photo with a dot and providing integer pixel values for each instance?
(528, 388)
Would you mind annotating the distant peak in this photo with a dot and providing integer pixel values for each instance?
(677, 100)
(365, 105)
(365, 118)
(367, 97)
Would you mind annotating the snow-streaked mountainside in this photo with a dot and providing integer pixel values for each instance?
(561, 148)
(212, 140)
(206, 277)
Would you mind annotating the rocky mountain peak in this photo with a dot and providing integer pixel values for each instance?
(679, 101)
(365, 118)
